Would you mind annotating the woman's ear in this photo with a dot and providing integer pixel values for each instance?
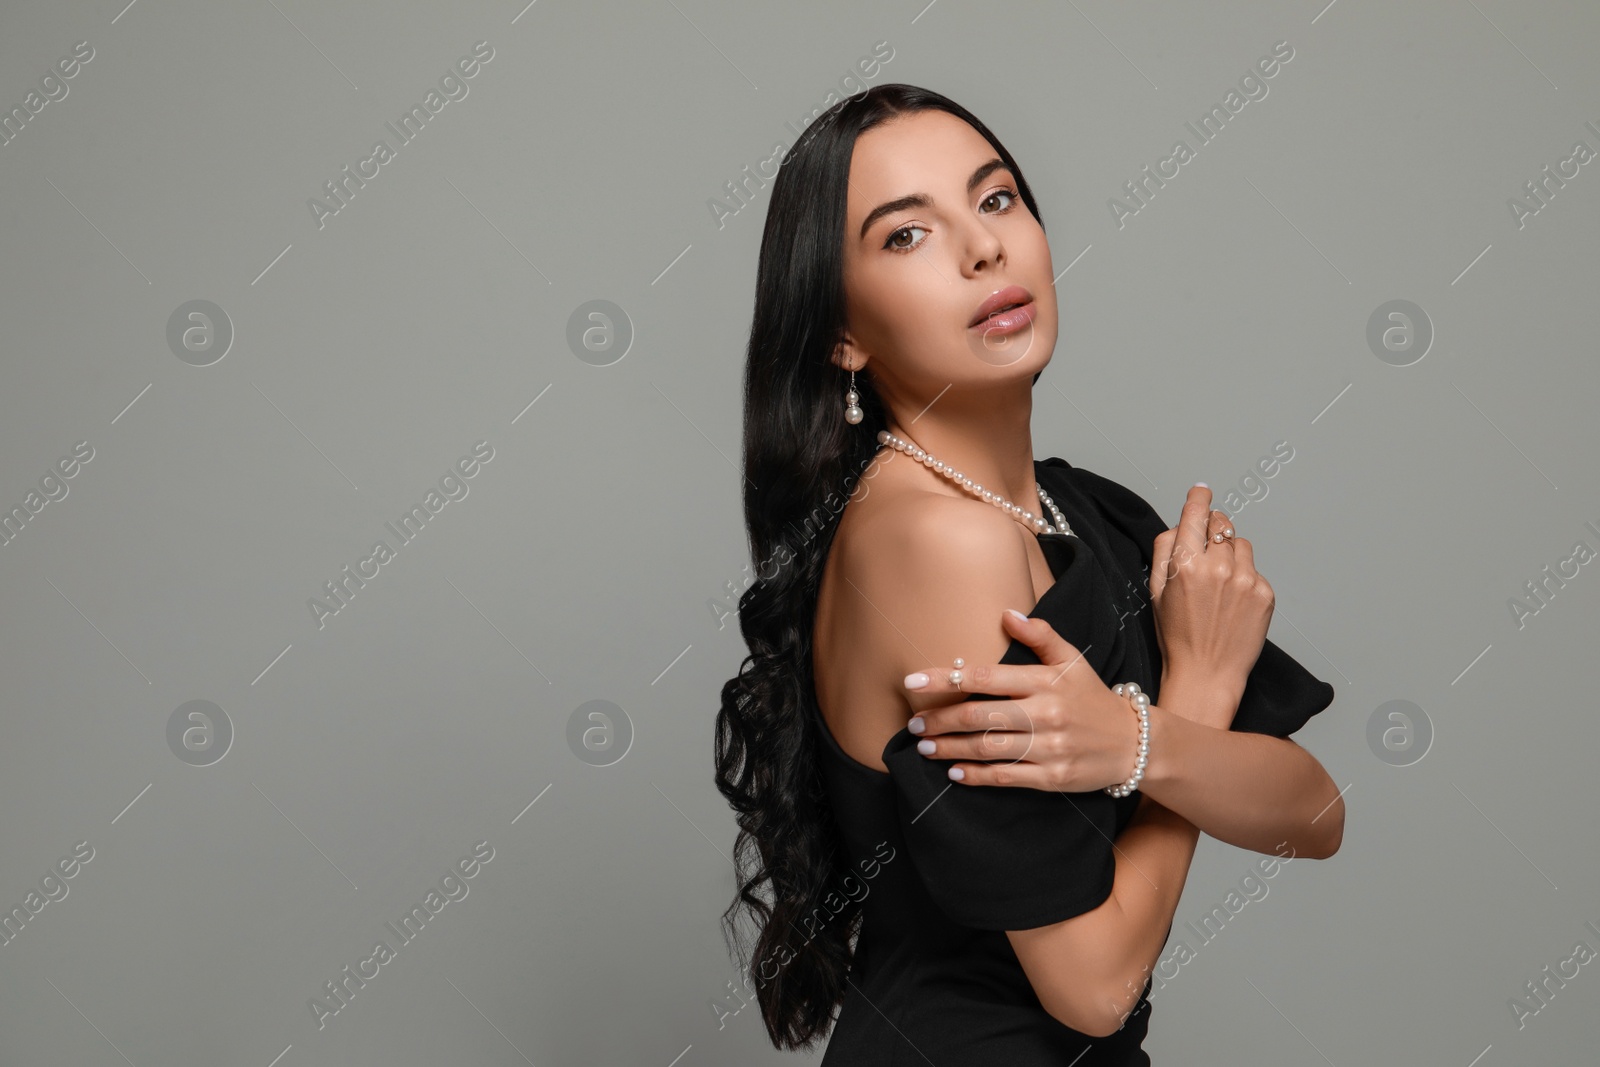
(846, 357)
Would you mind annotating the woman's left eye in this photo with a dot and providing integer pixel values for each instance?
(1000, 192)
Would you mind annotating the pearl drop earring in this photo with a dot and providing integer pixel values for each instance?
(852, 400)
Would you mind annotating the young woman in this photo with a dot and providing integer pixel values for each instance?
(971, 833)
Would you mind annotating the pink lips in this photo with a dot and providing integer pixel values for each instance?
(1008, 321)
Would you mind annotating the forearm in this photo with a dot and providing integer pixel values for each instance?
(1251, 790)
(1154, 851)
(1089, 970)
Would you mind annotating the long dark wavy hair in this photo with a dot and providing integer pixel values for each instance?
(801, 461)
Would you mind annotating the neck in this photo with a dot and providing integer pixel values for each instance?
(993, 447)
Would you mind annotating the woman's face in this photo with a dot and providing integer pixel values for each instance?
(916, 279)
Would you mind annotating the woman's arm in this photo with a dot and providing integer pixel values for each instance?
(946, 573)
(1088, 971)
(1254, 791)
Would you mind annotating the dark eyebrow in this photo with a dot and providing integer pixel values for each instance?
(921, 199)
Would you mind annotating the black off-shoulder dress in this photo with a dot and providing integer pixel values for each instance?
(948, 868)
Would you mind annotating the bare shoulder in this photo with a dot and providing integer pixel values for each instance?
(945, 537)
(935, 571)
(900, 534)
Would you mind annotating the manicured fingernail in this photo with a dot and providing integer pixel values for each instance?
(1202, 485)
(916, 725)
(1017, 615)
(925, 747)
(956, 774)
(916, 681)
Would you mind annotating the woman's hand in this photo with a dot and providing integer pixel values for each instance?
(1062, 728)
(1212, 608)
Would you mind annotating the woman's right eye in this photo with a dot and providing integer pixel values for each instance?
(891, 244)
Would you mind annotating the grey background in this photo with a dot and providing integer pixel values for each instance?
(590, 556)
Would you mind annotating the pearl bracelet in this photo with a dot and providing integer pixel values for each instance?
(1141, 704)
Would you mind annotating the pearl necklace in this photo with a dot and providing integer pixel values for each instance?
(1022, 515)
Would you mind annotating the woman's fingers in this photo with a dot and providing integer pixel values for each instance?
(997, 679)
(1024, 774)
(1190, 540)
(1008, 679)
(1046, 642)
(1218, 523)
(1160, 560)
(994, 743)
(974, 716)
(1176, 546)
(1244, 554)
(977, 729)
(1001, 733)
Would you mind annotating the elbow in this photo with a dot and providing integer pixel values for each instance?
(1335, 836)
(1095, 1023)
(1330, 826)
(1329, 819)
(1319, 845)
(1097, 1019)
(1309, 845)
